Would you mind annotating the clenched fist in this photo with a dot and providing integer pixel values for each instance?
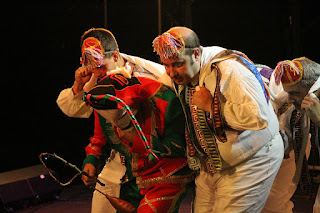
(81, 76)
(202, 98)
(91, 179)
(312, 107)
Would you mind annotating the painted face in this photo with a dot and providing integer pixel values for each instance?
(182, 68)
(295, 95)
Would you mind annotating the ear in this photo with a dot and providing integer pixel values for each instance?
(196, 54)
(120, 132)
(115, 56)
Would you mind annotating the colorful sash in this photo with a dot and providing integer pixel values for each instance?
(200, 136)
(194, 149)
(216, 109)
(305, 179)
(205, 137)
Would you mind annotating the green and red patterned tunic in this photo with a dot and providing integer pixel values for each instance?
(154, 185)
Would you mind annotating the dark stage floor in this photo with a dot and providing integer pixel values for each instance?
(77, 199)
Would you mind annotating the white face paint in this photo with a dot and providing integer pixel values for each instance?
(111, 115)
(117, 117)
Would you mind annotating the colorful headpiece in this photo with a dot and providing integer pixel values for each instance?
(168, 45)
(289, 72)
(92, 53)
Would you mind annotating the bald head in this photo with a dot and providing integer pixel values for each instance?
(189, 36)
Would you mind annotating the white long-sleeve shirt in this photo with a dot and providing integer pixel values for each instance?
(73, 106)
(284, 120)
(252, 120)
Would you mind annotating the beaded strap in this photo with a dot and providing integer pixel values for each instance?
(216, 109)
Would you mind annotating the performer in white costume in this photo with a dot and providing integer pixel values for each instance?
(232, 130)
(301, 82)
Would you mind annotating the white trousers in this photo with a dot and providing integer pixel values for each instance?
(100, 203)
(283, 189)
(110, 175)
(242, 188)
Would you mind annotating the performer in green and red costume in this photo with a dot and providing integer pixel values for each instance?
(157, 169)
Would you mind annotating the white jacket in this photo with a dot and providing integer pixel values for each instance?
(73, 106)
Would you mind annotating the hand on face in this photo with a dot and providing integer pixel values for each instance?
(312, 107)
(295, 95)
(82, 75)
(100, 72)
(202, 98)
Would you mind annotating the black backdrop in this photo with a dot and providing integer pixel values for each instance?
(40, 41)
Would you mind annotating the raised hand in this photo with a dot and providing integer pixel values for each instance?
(81, 76)
(311, 105)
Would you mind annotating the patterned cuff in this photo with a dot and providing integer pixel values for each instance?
(91, 159)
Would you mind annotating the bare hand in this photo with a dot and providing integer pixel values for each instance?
(202, 98)
(90, 169)
(312, 107)
(82, 75)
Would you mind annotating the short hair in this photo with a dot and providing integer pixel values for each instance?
(311, 72)
(107, 39)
